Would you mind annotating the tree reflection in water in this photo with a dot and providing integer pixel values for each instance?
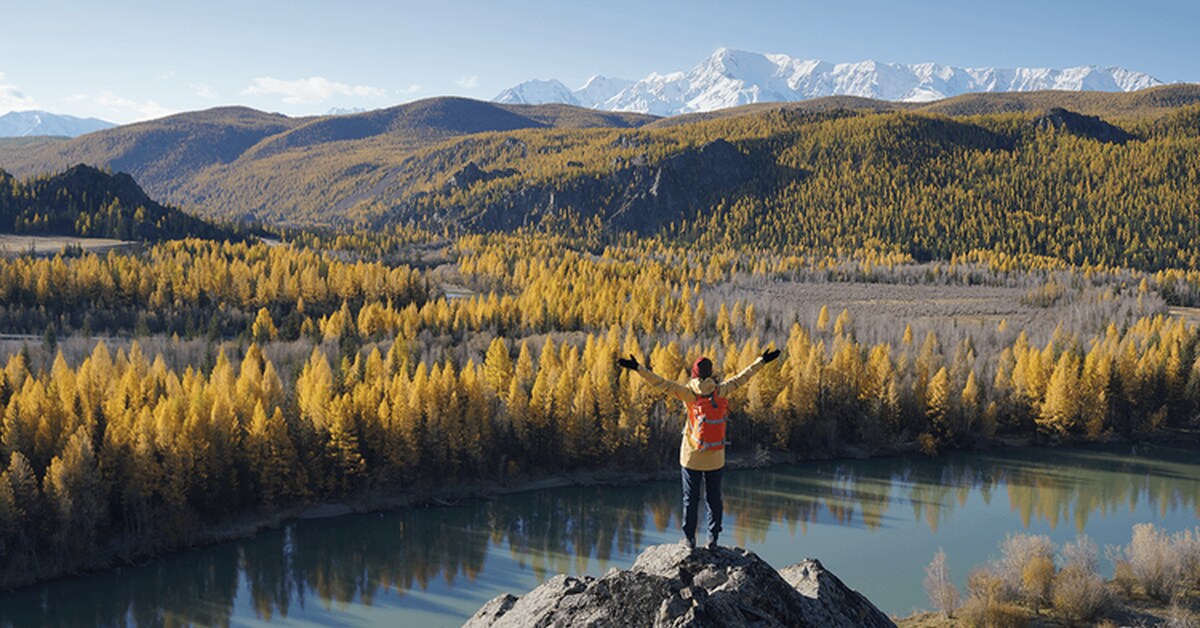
(331, 564)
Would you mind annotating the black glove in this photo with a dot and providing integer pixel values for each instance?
(769, 354)
(630, 363)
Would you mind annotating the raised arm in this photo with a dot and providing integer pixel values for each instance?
(657, 382)
(733, 383)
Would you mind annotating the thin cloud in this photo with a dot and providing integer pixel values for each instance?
(124, 108)
(468, 82)
(13, 99)
(311, 90)
(204, 90)
(412, 89)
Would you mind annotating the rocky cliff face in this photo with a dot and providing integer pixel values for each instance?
(671, 586)
(638, 196)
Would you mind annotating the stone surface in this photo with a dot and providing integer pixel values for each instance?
(831, 602)
(670, 586)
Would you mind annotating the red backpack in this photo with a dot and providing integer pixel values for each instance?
(706, 422)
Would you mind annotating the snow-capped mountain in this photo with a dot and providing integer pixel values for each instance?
(594, 94)
(537, 92)
(29, 123)
(730, 78)
(599, 90)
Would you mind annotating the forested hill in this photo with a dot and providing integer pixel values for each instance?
(235, 160)
(1100, 178)
(84, 201)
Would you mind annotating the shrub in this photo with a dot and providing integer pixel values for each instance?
(1188, 546)
(1080, 596)
(927, 444)
(1081, 554)
(1154, 562)
(1036, 578)
(1123, 576)
(984, 584)
(993, 614)
(1018, 551)
(986, 606)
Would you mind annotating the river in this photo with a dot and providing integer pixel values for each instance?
(875, 523)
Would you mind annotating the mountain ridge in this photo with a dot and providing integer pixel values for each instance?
(730, 78)
(43, 123)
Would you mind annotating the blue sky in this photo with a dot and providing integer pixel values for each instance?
(127, 60)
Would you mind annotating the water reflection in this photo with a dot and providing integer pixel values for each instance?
(321, 568)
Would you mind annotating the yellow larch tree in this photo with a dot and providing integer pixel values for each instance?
(263, 329)
(498, 366)
(938, 403)
(1059, 412)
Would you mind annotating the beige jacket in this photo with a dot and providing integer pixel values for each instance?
(689, 457)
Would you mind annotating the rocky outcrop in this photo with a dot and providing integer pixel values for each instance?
(671, 586)
(471, 173)
(1084, 126)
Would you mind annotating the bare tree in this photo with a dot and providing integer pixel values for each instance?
(942, 592)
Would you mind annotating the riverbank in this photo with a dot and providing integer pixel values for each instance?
(1036, 582)
(250, 524)
(1137, 611)
(247, 525)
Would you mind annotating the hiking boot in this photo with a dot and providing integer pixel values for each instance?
(689, 542)
(712, 543)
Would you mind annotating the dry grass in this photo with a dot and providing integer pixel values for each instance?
(926, 620)
(880, 311)
(987, 317)
(1189, 314)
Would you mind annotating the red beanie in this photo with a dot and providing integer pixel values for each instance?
(702, 368)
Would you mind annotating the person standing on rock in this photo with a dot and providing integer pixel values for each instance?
(702, 450)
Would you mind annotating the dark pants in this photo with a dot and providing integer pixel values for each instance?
(691, 500)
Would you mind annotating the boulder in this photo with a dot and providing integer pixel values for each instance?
(670, 585)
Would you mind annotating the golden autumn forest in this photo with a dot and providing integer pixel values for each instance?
(458, 327)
